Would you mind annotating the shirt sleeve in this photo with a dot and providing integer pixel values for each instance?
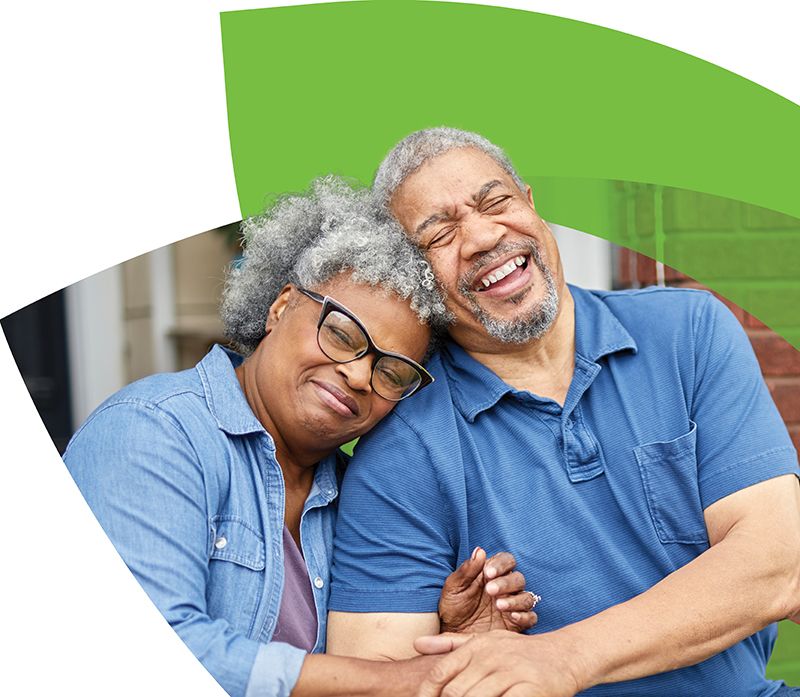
(145, 484)
(393, 545)
(741, 438)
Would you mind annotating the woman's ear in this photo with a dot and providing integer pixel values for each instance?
(278, 307)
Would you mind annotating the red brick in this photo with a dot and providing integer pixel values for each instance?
(754, 322)
(673, 275)
(786, 393)
(646, 271)
(623, 278)
(776, 355)
(737, 311)
(688, 283)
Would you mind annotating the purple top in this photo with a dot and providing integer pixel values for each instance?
(297, 620)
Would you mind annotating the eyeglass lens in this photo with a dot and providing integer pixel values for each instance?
(342, 340)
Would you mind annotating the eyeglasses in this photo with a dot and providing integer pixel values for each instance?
(343, 338)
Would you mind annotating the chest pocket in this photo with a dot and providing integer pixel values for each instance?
(236, 571)
(669, 474)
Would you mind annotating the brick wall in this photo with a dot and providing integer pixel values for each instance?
(780, 361)
(749, 254)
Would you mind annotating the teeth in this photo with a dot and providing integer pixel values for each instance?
(503, 271)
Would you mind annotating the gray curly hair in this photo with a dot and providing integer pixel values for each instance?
(414, 150)
(307, 239)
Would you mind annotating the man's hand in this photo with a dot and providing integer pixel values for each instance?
(497, 663)
(482, 595)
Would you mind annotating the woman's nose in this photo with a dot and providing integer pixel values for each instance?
(357, 373)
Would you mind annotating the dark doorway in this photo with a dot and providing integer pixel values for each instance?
(37, 337)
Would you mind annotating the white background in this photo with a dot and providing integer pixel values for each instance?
(113, 117)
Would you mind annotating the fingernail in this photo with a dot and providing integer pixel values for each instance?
(475, 553)
(491, 588)
(516, 616)
(502, 604)
(490, 572)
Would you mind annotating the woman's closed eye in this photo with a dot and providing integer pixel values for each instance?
(341, 337)
(391, 377)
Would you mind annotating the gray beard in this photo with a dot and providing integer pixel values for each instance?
(520, 330)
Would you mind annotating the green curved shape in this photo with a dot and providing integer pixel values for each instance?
(748, 254)
(330, 88)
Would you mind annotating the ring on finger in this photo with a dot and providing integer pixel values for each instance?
(534, 598)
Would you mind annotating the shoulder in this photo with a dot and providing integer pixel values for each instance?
(163, 391)
(678, 305)
(664, 317)
(163, 402)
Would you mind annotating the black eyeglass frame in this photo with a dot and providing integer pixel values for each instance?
(330, 305)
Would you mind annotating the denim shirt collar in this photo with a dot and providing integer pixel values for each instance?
(224, 395)
(233, 415)
(598, 333)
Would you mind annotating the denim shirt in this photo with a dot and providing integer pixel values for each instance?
(184, 480)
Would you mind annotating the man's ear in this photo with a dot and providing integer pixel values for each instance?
(278, 307)
(529, 196)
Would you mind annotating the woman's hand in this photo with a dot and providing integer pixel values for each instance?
(499, 664)
(485, 594)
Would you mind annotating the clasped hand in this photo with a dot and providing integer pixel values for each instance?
(484, 594)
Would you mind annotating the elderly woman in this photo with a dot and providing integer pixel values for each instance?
(217, 484)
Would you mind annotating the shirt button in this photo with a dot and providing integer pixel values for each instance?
(220, 542)
(570, 424)
(318, 582)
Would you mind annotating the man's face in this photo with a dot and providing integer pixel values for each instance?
(496, 258)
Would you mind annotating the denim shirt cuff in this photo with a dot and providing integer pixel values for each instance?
(275, 670)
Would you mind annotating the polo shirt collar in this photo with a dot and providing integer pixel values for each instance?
(476, 388)
(223, 393)
(598, 332)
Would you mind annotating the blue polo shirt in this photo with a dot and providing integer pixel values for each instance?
(599, 499)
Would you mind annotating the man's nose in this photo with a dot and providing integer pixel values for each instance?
(480, 235)
(357, 373)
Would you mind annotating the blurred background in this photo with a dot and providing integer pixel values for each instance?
(158, 313)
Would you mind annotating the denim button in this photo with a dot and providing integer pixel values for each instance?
(220, 542)
(318, 582)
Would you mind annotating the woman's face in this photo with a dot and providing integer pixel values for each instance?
(314, 403)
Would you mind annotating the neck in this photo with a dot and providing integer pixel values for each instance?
(543, 366)
(296, 464)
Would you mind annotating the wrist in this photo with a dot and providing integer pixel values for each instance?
(580, 661)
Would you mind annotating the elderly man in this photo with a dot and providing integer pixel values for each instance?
(622, 444)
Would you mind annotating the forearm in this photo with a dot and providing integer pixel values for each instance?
(378, 636)
(734, 589)
(332, 676)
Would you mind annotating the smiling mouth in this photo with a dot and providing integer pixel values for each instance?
(505, 278)
(330, 395)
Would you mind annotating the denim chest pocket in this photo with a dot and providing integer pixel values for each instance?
(669, 475)
(237, 561)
